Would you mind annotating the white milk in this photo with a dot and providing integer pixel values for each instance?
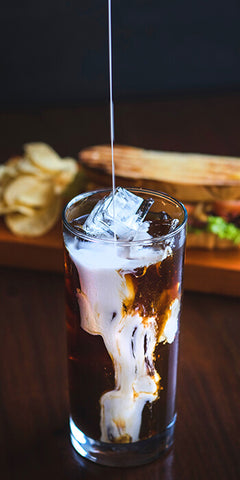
(103, 291)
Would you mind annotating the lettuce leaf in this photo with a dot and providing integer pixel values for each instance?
(223, 229)
(220, 227)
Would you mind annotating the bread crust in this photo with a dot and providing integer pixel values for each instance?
(188, 177)
(209, 241)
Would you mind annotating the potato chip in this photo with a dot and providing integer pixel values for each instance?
(2, 171)
(29, 190)
(36, 225)
(63, 178)
(43, 156)
(6, 173)
(13, 162)
(69, 165)
(27, 167)
(4, 209)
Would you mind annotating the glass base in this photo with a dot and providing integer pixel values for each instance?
(122, 455)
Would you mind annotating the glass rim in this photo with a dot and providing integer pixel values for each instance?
(86, 236)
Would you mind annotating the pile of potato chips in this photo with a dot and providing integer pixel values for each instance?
(32, 187)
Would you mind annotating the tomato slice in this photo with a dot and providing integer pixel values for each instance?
(189, 207)
(227, 208)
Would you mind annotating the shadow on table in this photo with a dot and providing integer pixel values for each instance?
(56, 459)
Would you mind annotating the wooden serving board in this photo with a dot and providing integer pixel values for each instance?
(40, 253)
(205, 271)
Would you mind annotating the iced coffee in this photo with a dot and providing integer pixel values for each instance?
(123, 269)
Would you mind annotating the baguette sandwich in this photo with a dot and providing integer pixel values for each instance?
(208, 186)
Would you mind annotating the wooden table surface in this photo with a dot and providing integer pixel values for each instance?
(34, 439)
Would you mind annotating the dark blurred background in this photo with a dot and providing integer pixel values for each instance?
(55, 51)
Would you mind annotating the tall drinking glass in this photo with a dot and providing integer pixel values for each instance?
(123, 300)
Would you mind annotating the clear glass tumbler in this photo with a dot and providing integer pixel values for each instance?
(123, 301)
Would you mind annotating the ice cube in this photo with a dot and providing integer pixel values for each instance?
(163, 224)
(142, 232)
(120, 215)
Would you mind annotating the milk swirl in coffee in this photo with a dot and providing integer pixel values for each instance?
(130, 299)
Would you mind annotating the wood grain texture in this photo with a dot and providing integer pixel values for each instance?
(33, 381)
(33, 390)
(34, 403)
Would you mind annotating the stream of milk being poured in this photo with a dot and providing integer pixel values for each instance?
(111, 98)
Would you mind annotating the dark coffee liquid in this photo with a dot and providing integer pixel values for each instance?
(91, 372)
